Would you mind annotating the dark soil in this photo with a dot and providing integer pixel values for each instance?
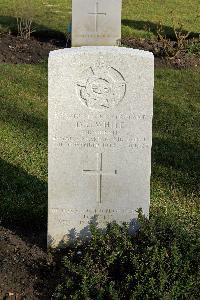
(15, 50)
(180, 61)
(27, 271)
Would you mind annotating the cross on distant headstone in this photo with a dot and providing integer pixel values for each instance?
(99, 173)
(96, 22)
(100, 112)
(96, 14)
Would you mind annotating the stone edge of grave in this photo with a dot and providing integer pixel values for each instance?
(102, 49)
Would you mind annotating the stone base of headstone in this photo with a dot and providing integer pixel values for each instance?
(100, 137)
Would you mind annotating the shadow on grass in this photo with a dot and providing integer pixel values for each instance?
(8, 22)
(152, 27)
(23, 205)
(26, 120)
(43, 33)
(46, 34)
(180, 162)
(175, 155)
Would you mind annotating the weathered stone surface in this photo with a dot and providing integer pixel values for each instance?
(96, 22)
(100, 136)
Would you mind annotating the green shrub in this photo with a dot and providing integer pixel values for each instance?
(194, 47)
(160, 262)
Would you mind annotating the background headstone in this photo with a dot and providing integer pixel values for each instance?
(96, 22)
(100, 136)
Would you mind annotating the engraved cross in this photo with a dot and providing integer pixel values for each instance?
(96, 14)
(99, 174)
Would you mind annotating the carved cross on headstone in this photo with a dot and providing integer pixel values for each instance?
(99, 174)
(96, 14)
(96, 22)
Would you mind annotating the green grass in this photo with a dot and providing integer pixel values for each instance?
(139, 17)
(23, 123)
(164, 262)
(161, 262)
(175, 168)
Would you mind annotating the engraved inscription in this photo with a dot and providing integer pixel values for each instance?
(97, 131)
(101, 88)
(101, 215)
(99, 173)
(94, 35)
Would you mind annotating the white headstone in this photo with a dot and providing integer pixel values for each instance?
(96, 22)
(100, 136)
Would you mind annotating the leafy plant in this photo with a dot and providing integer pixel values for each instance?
(159, 262)
(194, 47)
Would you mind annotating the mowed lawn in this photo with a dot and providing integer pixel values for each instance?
(173, 233)
(139, 17)
(23, 122)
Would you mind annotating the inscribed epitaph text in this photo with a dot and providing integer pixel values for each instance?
(100, 136)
